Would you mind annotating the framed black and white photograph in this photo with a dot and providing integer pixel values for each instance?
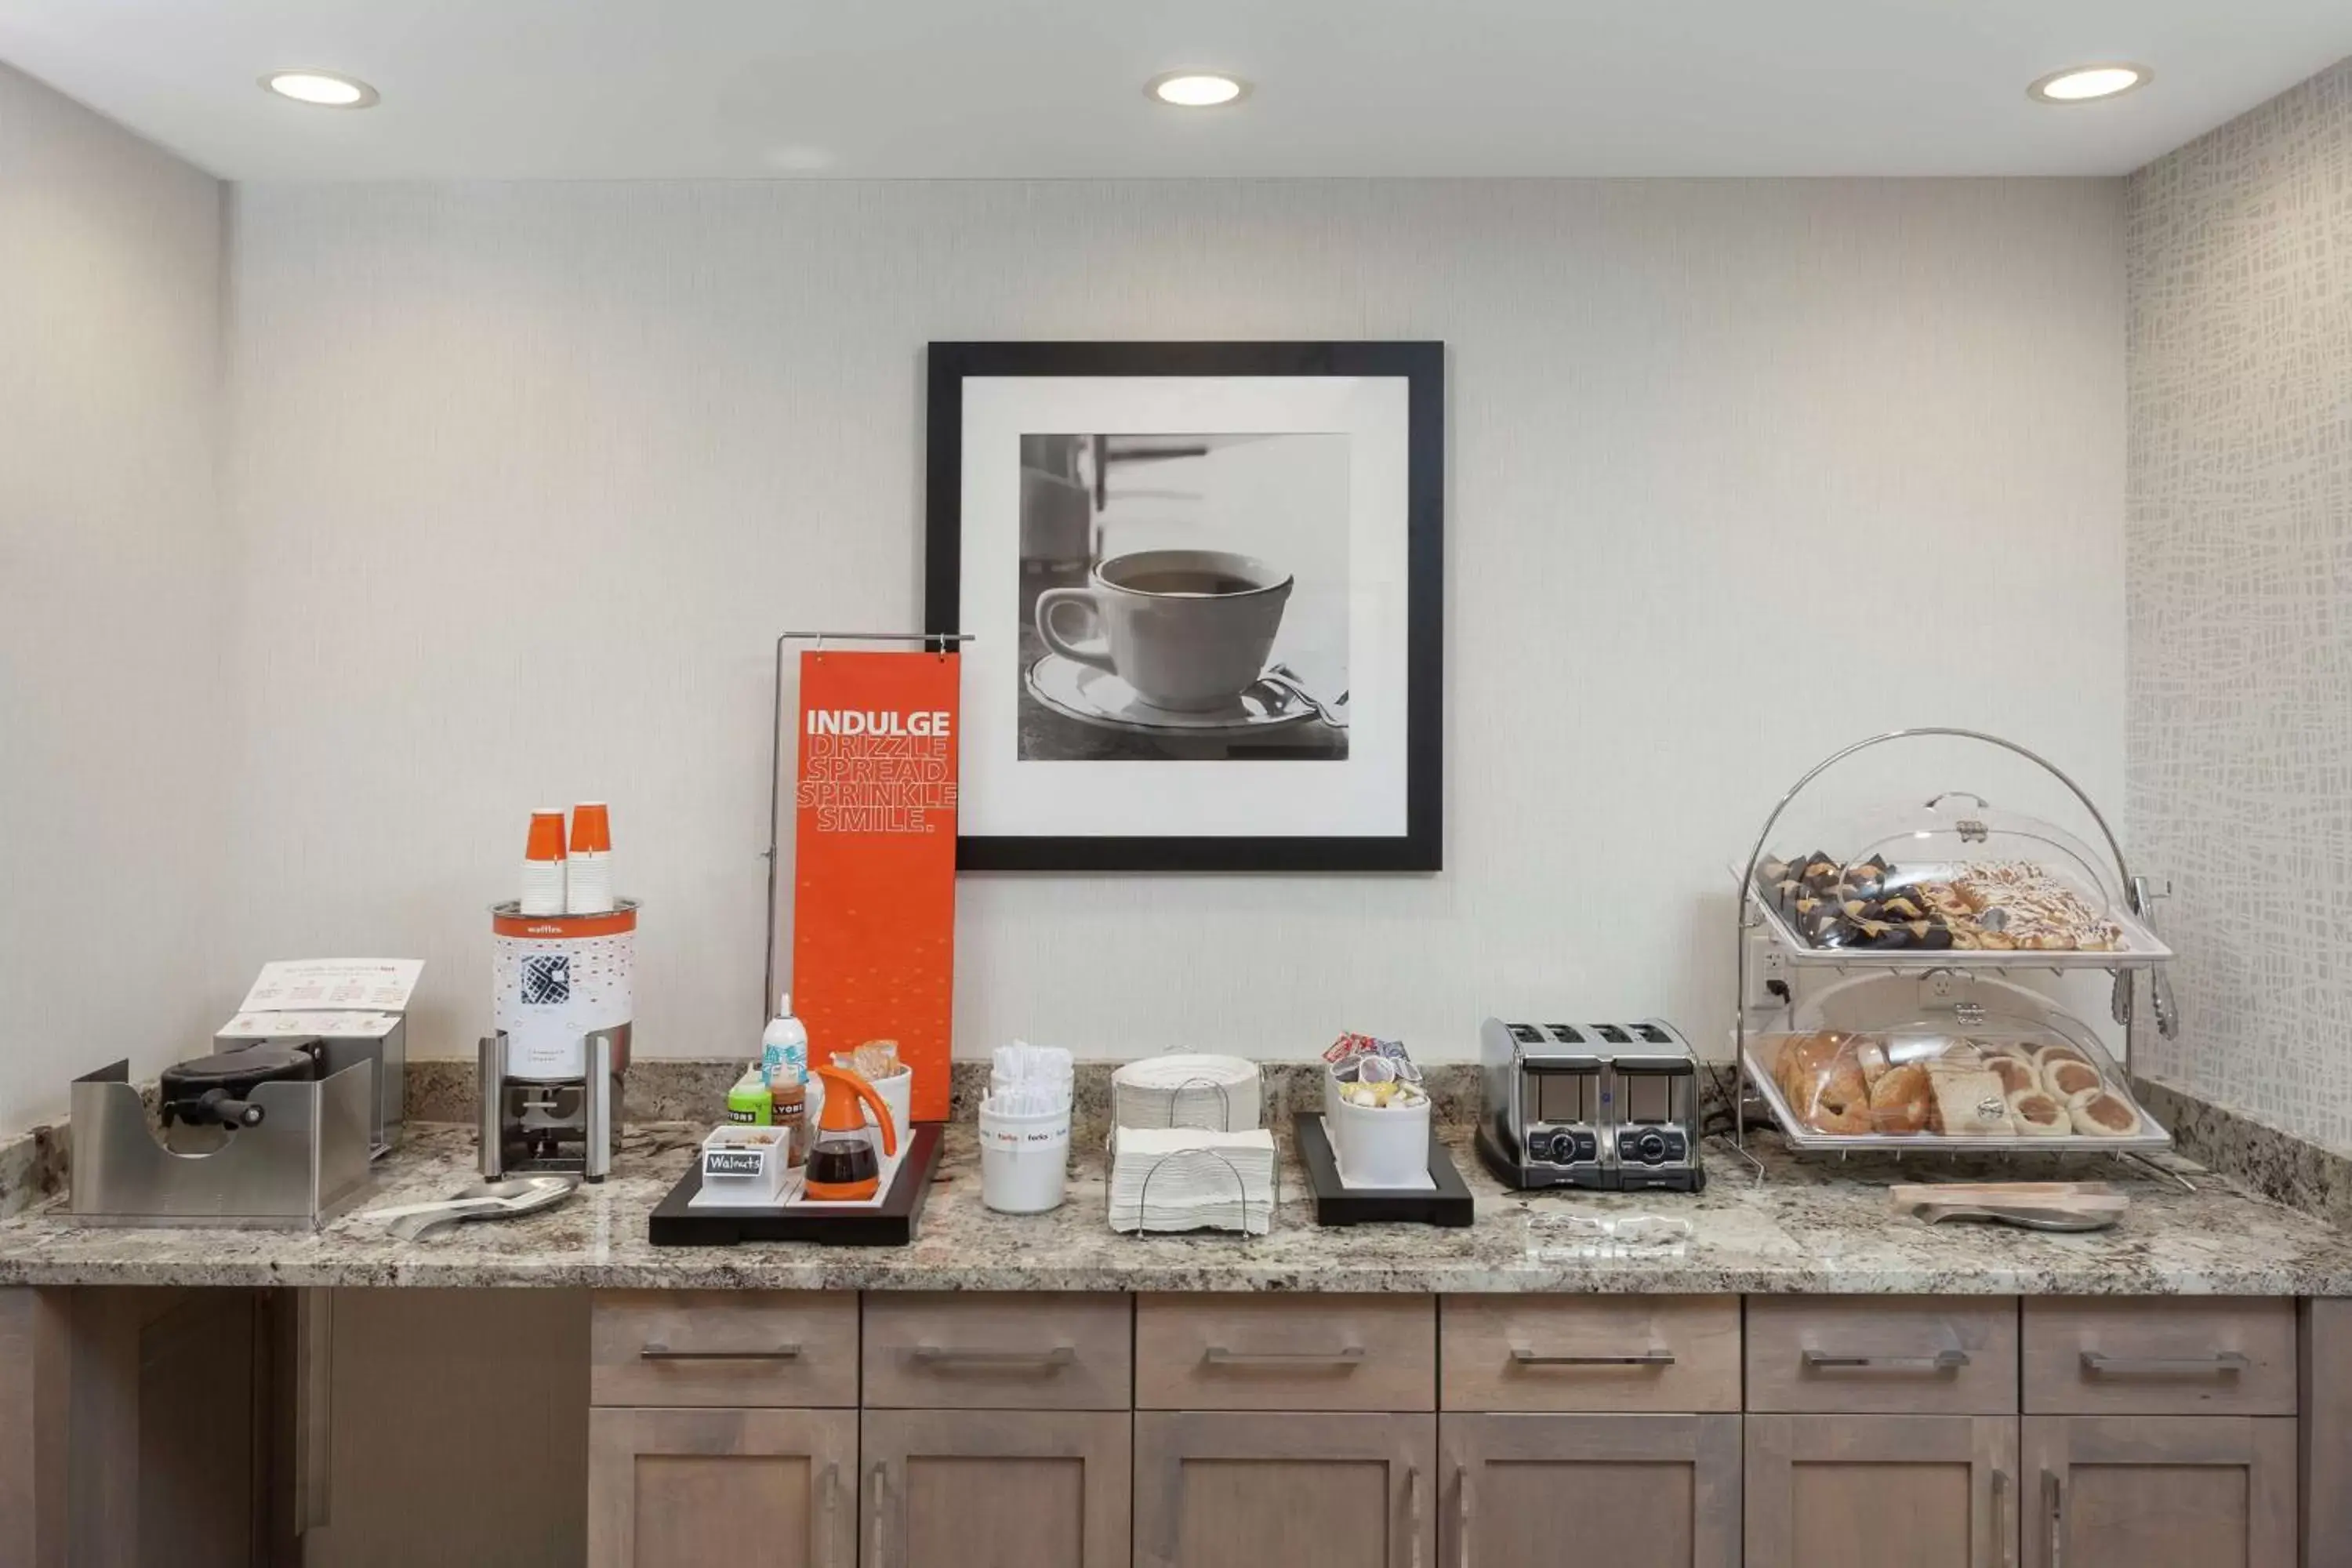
(1204, 585)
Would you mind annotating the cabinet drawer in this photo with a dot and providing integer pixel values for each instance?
(719, 1348)
(1590, 1352)
(1901, 1355)
(1285, 1352)
(998, 1353)
(2189, 1356)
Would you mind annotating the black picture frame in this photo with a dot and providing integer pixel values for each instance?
(1421, 366)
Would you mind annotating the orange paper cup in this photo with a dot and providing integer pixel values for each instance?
(592, 828)
(546, 837)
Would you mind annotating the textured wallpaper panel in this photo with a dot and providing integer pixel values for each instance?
(2240, 547)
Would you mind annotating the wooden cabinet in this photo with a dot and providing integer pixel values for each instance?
(668, 1488)
(2182, 1356)
(725, 1348)
(1285, 1352)
(1233, 1490)
(997, 1489)
(1882, 1491)
(1534, 1352)
(1892, 1355)
(946, 1351)
(1627, 1491)
(2191, 1491)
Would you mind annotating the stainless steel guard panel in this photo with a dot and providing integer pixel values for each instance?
(307, 1160)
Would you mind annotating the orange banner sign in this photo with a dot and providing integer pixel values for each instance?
(873, 850)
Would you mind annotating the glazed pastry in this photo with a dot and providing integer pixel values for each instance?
(2045, 1055)
(2066, 1076)
(1901, 1099)
(2102, 1113)
(2037, 1115)
(1969, 1101)
(2017, 1077)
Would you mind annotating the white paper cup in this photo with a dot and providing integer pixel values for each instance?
(542, 888)
(1378, 1146)
(588, 884)
(1023, 1159)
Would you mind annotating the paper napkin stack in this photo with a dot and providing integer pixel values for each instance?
(1187, 1178)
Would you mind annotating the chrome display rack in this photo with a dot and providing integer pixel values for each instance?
(1754, 915)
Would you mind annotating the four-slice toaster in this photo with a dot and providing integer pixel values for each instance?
(1613, 1106)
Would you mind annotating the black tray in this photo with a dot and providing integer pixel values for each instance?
(892, 1224)
(1447, 1205)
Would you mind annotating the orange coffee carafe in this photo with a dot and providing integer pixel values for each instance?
(842, 1166)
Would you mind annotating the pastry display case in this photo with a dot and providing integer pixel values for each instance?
(1969, 1078)
(1970, 899)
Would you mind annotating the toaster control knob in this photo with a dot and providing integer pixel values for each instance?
(1650, 1147)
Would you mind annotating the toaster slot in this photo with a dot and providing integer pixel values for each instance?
(1648, 1097)
(1562, 1098)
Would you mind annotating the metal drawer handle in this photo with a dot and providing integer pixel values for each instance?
(2053, 1498)
(1461, 1516)
(949, 1355)
(1656, 1356)
(1951, 1360)
(2002, 1538)
(1412, 1512)
(1344, 1356)
(654, 1349)
(2220, 1363)
(831, 1525)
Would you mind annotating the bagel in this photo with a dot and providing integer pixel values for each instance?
(1902, 1098)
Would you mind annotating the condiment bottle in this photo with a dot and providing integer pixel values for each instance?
(789, 1107)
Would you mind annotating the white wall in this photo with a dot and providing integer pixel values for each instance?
(527, 477)
(2240, 551)
(113, 593)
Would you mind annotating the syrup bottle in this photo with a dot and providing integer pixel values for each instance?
(842, 1166)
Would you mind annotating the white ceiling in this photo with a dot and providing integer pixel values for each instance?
(641, 88)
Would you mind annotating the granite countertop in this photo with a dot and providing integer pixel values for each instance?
(1808, 1227)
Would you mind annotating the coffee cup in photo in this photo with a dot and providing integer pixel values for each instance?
(1189, 629)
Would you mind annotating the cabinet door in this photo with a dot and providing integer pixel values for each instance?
(1631, 1491)
(997, 1489)
(1882, 1491)
(1233, 1490)
(671, 1487)
(2190, 1491)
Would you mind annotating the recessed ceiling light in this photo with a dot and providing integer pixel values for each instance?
(1197, 90)
(325, 89)
(2081, 84)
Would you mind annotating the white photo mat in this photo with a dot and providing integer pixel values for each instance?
(1363, 794)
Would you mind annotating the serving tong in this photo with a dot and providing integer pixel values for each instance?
(508, 1199)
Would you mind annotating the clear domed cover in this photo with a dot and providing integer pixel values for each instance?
(1952, 875)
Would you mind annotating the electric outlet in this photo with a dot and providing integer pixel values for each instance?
(1941, 986)
(1768, 975)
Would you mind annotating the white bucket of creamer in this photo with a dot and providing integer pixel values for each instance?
(555, 979)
